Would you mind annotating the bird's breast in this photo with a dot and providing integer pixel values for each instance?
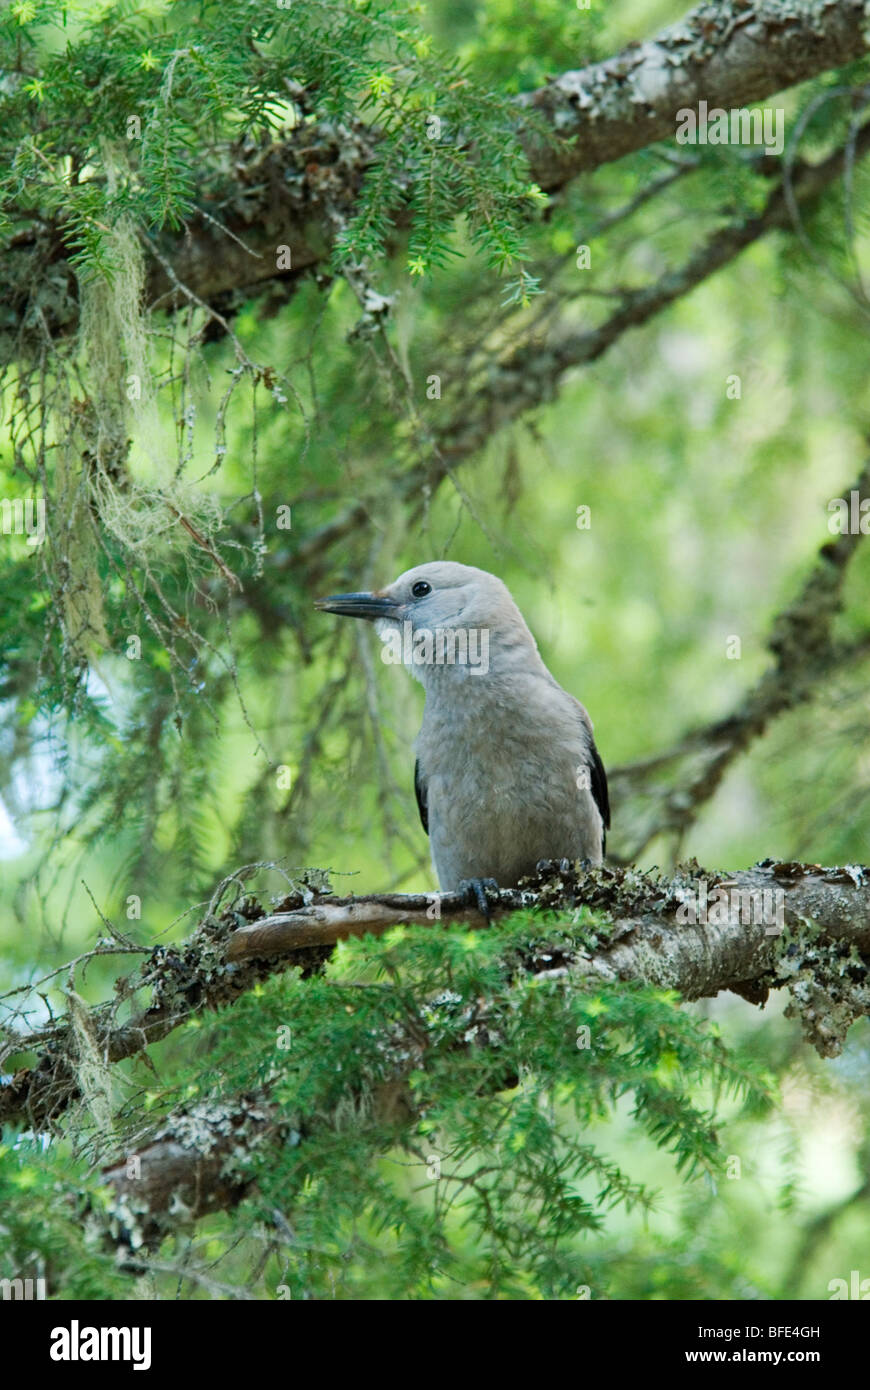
(505, 787)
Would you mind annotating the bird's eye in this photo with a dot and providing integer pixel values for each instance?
(421, 589)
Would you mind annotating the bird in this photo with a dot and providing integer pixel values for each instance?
(507, 773)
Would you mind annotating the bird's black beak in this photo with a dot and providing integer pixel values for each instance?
(359, 605)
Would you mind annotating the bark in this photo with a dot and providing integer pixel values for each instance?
(187, 1171)
(736, 947)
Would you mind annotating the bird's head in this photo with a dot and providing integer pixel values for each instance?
(438, 594)
(438, 597)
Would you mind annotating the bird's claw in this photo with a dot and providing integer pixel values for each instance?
(475, 890)
(548, 866)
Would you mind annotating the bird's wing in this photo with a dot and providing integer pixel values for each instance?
(597, 775)
(598, 778)
(422, 798)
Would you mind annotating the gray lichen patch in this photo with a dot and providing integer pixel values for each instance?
(829, 988)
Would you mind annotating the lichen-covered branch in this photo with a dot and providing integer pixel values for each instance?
(728, 54)
(300, 190)
(826, 910)
(819, 951)
(735, 948)
(186, 1170)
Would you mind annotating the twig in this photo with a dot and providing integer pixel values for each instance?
(204, 545)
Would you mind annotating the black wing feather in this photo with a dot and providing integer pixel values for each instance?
(598, 778)
(422, 800)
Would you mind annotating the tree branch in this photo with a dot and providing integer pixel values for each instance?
(223, 959)
(728, 54)
(296, 192)
(192, 1164)
(805, 653)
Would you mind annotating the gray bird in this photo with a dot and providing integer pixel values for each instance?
(507, 770)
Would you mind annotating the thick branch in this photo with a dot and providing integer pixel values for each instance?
(648, 942)
(727, 54)
(186, 1169)
(296, 193)
(820, 957)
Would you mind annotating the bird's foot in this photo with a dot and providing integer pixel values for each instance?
(553, 866)
(475, 890)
